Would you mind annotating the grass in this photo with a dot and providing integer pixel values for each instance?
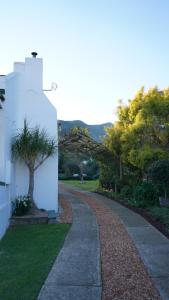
(88, 185)
(26, 256)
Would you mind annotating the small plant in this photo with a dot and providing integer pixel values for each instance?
(21, 205)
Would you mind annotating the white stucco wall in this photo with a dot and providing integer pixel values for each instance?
(29, 102)
(2, 134)
(5, 207)
(25, 99)
(2, 146)
(5, 204)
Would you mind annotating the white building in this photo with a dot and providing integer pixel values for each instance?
(25, 99)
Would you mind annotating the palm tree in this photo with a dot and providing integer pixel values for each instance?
(33, 147)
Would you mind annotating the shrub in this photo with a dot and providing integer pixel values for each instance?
(126, 191)
(106, 178)
(21, 205)
(161, 214)
(159, 173)
(64, 177)
(108, 193)
(96, 176)
(145, 195)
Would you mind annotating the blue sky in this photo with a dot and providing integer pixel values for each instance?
(97, 51)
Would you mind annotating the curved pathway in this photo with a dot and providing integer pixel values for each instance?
(126, 241)
(151, 245)
(76, 274)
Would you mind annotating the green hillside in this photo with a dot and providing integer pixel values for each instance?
(97, 132)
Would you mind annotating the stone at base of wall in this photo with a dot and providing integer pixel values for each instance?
(29, 220)
(49, 217)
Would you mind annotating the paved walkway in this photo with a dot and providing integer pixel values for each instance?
(152, 245)
(76, 274)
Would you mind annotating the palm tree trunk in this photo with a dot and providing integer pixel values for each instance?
(31, 186)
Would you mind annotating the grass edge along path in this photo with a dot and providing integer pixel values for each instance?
(27, 254)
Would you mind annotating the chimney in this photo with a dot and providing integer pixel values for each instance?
(34, 72)
(34, 54)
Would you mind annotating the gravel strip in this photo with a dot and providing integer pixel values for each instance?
(124, 275)
(66, 214)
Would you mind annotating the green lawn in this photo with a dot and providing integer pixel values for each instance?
(89, 185)
(26, 256)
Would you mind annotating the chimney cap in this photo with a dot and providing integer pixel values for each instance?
(34, 54)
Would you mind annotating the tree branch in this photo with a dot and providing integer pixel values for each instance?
(41, 162)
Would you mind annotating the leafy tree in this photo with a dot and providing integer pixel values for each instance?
(74, 163)
(108, 178)
(33, 146)
(145, 156)
(145, 195)
(140, 136)
(91, 168)
(71, 168)
(114, 144)
(80, 131)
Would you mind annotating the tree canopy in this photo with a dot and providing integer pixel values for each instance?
(141, 134)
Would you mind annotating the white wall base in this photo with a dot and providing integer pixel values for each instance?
(5, 210)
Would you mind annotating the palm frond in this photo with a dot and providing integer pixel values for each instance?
(33, 146)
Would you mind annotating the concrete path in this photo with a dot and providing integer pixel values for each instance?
(76, 274)
(152, 246)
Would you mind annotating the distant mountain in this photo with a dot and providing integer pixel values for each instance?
(97, 132)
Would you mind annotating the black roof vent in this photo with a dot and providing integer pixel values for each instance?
(34, 54)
